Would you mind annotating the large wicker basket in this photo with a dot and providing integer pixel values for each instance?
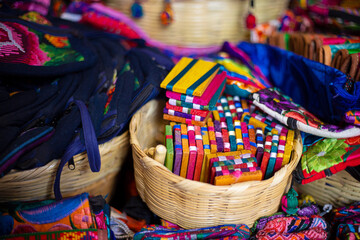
(339, 190)
(37, 184)
(193, 204)
(201, 23)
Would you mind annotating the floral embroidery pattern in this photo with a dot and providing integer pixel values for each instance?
(327, 157)
(323, 155)
(59, 42)
(36, 18)
(282, 104)
(20, 44)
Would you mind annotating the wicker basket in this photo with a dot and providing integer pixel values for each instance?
(201, 23)
(339, 190)
(37, 184)
(193, 204)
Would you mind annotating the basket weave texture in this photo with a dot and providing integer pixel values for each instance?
(201, 23)
(339, 190)
(193, 204)
(37, 184)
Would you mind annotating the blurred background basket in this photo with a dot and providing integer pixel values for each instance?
(339, 190)
(38, 183)
(193, 204)
(201, 23)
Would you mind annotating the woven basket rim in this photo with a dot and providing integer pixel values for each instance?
(37, 183)
(286, 170)
(194, 204)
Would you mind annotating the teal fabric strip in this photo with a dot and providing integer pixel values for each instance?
(192, 88)
(181, 74)
(335, 48)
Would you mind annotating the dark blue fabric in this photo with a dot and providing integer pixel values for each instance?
(22, 144)
(11, 133)
(17, 101)
(54, 147)
(21, 115)
(72, 99)
(315, 86)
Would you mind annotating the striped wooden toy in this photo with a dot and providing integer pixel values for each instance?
(233, 161)
(239, 109)
(227, 170)
(183, 115)
(256, 121)
(252, 139)
(222, 170)
(232, 107)
(212, 139)
(245, 155)
(238, 176)
(190, 76)
(193, 152)
(178, 103)
(266, 156)
(218, 133)
(201, 113)
(186, 151)
(273, 153)
(229, 123)
(245, 106)
(281, 150)
(236, 154)
(238, 135)
(169, 159)
(221, 112)
(205, 99)
(184, 120)
(200, 153)
(288, 147)
(178, 149)
(245, 136)
(206, 145)
(260, 145)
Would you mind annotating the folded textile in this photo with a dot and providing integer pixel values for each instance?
(219, 232)
(23, 143)
(303, 80)
(282, 108)
(241, 79)
(327, 157)
(81, 234)
(294, 227)
(346, 222)
(50, 216)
